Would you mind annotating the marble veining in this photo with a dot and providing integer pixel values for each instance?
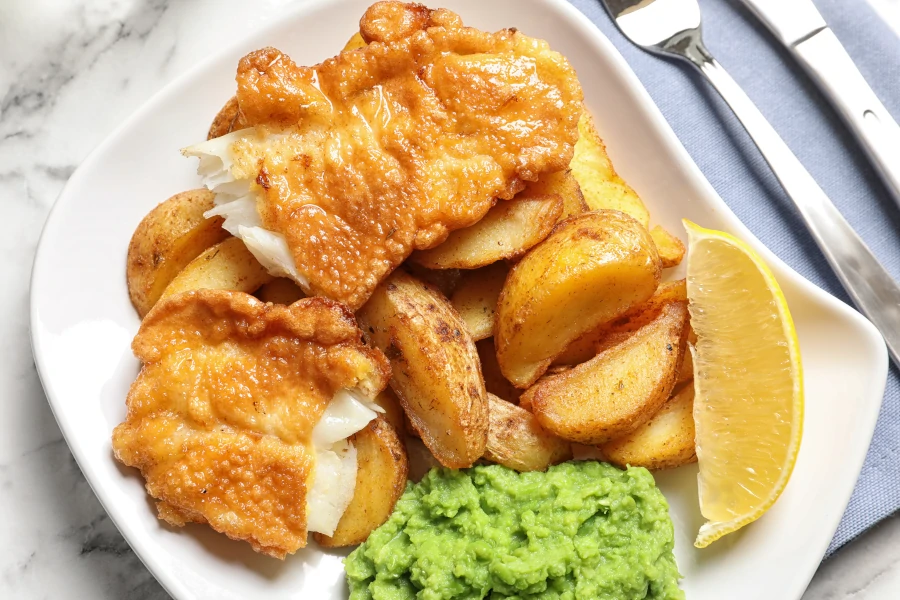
(70, 72)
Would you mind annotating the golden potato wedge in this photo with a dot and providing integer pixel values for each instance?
(620, 388)
(670, 248)
(507, 231)
(280, 291)
(475, 299)
(563, 184)
(593, 268)
(354, 43)
(393, 412)
(167, 239)
(686, 370)
(436, 371)
(611, 333)
(230, 118)
(382, 466)
(601, 185)
(581, 350)
(664, 442)
(444, 280)
(494, 381)
(590, 344)
(226, 266)
(516, 440)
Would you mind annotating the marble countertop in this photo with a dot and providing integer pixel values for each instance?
(70, 72)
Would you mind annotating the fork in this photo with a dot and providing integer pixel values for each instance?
(671, 28)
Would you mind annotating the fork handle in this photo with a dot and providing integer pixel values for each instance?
(867, 282)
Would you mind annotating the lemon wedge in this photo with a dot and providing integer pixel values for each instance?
(748, 408)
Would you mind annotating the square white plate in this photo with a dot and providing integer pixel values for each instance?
(83, 322)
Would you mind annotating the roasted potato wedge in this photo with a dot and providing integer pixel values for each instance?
(393, 412)
(601, 185)
(620, 388)
(280, 291)
(436, 371)
(664, 442)
(475, 299)
(516, 440)
(507, 231)
(563, 184)
(494, 381)
(444, 280)
(593, 268)
(590, 344)
(581, 350)
(167, 239)
(226, 266)
(354, 43)
(612, 333)
(670, 248)
(230, 118)
(382, 467)
(686, 370)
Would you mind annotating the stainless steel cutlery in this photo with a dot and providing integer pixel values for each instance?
(671, 28)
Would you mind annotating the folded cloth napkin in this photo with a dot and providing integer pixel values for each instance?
(731, 162)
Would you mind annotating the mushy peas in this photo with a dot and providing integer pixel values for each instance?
(579, 531)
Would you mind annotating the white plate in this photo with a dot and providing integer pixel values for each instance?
(83, 323)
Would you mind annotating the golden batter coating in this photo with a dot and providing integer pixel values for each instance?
(220, 417)
(385, 149)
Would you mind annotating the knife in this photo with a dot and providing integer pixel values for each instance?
(800, 27)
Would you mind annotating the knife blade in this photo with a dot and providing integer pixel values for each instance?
(798, 25)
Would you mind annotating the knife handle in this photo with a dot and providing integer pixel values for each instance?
(833, 70)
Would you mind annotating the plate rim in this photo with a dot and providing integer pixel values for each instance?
(657, 122)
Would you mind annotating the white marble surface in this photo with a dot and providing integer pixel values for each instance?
(69, 73)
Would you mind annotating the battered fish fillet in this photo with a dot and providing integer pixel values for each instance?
(350, 165)
(222, 419)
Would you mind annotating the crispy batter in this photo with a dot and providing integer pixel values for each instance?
(387, 148)
(220, 416)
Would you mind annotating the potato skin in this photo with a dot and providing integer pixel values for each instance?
(354, 43)
(166, 240)
(228, 119)
(593, 268)
(601, 185)
(226, 266)
(436, 371)
(516, 439)
(620, 388)
(382, 467)
(445, 280)
(665, 441)
(475, 298)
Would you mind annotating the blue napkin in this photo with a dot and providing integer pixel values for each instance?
(731, 162)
